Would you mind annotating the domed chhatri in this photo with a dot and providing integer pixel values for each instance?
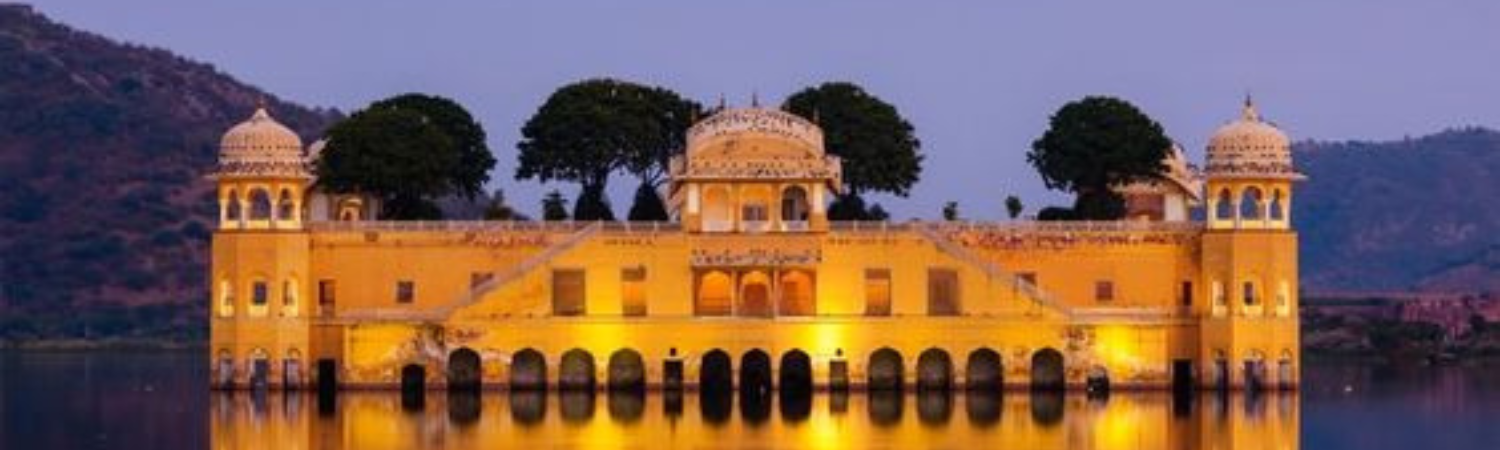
(261, 147)
(1250, 147)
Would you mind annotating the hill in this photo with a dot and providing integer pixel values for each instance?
(104, 213)
(1417, 214)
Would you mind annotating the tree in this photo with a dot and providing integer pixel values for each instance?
(554, 207)
(1095, 144)
(950, 211)
(587, 130)
(880, 150)
(498, 209)
(848, 207)
(407, 150)
(1013, 206)
(878, 213)
(648, 206)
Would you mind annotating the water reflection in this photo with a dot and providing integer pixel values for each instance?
(378, 420)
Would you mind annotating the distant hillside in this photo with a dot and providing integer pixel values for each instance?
(1419, 213)
(103, 148)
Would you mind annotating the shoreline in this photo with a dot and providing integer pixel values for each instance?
(61, 345)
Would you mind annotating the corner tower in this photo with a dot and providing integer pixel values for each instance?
(754, 170)
(259, 328)
(1249, 261)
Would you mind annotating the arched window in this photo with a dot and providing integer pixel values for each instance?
(260, 296)
(1251, 206)
(226, 298)
(1216, 297)
(718, 214)
(794, 204)
(1283, 298)
(286, 209)
(350, 210)
(1250, 297)
(232, 210)
(289, 300)
(1278, 207)
(1224, 207)
(260, 204)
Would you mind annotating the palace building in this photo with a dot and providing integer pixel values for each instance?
(752, 285)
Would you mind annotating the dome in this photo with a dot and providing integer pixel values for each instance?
(261, 146)
(1251, 148)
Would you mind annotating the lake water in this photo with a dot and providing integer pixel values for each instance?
(125, 400)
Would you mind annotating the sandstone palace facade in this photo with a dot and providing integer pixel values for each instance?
(752, 285)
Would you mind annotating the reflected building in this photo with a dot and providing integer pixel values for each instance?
(751, 286)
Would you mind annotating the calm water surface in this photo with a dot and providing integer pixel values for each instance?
(122, 400)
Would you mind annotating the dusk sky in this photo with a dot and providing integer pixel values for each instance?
(977, 79)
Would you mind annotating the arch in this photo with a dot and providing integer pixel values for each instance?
(755, 373)
(576, 371)
(260, 204)
(715, 294)
(291, 369)
(1283, 298)
(718, 211)
(226, 298)
(1286, 371)
(1252, 204)
(290, 304)
(984, 371)
(1047, 373)
(1278, 206)
(627, 370)
(233, 206)
(413, 380)
(1255, 370)
(794, 205)
(350, 209)
(1220, 368)
(885, 370)
(528, 370)
(286, 207)
(755, 294)
(1097, 382)
(260, 368)
(934, 370)
(715, 371)
(464, 370)
(797, 294)
(1250, 292)
(1224, 205)
(226, 368)
(796, 372)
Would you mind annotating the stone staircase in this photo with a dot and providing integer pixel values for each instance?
(516, 275)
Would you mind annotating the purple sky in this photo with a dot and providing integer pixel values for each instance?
(977, 79)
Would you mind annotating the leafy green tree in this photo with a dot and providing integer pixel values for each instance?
(407, 150)
(587, 130)
(879, 148)
(554, 207)
(1095, 144)
(950, 211)
(877, 213)
(648, 206)
(848, 207)
(1013, 206)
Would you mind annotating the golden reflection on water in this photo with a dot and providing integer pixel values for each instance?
(386, 420)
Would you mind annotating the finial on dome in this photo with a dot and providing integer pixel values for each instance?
(1249, 114)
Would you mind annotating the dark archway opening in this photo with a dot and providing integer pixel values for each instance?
(413, 386)
(716, 372)
(755, 373)
(984, 371)
(528, 370)
(934, 370)
(464, 373)
(1047, 371)
(627, 371)
(1097, 383)
(528, 407)
(796, 373)
(885, 370)
(576, 371)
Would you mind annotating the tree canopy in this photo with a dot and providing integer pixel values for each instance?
(1013, 206)
(554, 207)
(587, 130)
(880, 149)
(1095, 144)
(407, 150)
(648, 206)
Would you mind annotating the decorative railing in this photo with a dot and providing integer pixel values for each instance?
(448, 225)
